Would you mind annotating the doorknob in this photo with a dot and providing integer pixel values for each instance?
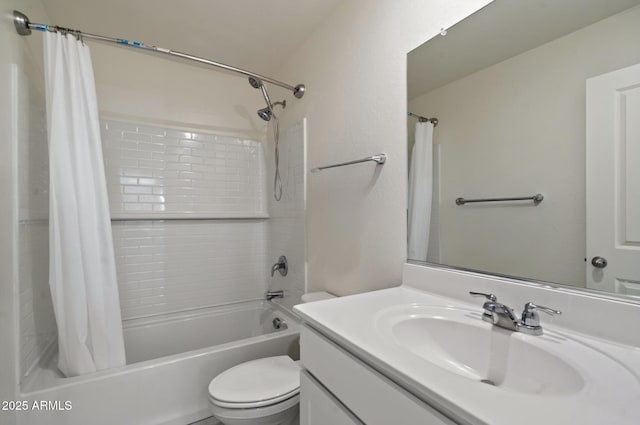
(599, 262)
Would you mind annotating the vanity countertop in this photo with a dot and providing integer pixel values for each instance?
(606, 390)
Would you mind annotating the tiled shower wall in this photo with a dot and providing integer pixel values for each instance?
(207, 243)
(160, 172)
(166, 266)
(287, 222)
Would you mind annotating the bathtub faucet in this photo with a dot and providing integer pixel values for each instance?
(280, 266)
(275, 294)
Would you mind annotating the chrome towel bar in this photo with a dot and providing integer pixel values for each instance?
(537, 198)
(379, 159)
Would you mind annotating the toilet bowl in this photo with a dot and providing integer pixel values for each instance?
(260, 392)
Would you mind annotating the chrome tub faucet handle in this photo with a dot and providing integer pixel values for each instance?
(281, 266)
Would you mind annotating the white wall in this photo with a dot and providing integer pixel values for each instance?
(21, 115)
(518, 128)
(140, 86)
(354, 67)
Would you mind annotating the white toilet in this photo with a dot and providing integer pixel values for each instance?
(260, 392)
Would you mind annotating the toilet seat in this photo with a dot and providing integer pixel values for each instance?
(256, 384)
(274, 414)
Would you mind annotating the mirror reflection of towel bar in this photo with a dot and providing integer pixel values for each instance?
(379, 159)
(537, 198)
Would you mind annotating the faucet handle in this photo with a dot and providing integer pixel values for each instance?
(530, 321)
(530, 308)
(487, 314)
(490, 297)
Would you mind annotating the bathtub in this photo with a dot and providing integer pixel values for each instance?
(170, 362)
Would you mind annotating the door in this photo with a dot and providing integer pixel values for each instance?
(613, 181)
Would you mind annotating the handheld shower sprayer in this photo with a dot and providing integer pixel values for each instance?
(266, 114)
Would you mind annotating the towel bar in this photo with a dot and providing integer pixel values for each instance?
(379, 159)
(537, 198)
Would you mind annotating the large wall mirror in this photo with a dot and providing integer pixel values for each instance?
(537, 101)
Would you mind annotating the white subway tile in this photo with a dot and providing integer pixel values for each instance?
(136, 136)
(167, 266)
(189, 264)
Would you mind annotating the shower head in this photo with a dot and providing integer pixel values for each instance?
(265, 113)
(255, 83)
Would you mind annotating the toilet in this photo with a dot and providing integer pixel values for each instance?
(260, 392)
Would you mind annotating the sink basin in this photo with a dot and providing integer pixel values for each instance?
(458, 341)
(441, 351)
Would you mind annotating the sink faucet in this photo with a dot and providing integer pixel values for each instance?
(497, 313)
(503, 316)
(280, 266)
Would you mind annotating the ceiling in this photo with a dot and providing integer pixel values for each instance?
(255, 35)
(501, 30)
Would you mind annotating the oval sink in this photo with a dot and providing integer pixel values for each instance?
(458, 341)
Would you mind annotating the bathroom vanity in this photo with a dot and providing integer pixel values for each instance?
(339, 388)
(421, 353)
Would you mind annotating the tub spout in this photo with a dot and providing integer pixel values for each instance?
(274, 294)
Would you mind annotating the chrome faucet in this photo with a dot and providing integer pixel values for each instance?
(497, 313)
(503, 316)
(280, 266)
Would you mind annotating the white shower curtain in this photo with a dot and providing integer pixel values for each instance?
(82, 272)
(420, 192)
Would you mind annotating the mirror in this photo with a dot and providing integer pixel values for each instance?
(537, 101)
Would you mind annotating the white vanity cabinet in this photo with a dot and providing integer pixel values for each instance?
(339, 389)
(319, 407)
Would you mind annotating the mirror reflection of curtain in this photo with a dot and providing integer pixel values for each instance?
(420, 192)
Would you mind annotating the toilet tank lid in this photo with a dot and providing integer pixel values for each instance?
(310, 297)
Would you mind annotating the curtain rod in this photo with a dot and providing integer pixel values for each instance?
(433, 121)
(24, 27)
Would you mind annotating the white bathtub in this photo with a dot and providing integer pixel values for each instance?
(171, 361)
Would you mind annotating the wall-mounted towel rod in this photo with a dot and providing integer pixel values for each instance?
(433, 121)
(537, 198)
(379, 159)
